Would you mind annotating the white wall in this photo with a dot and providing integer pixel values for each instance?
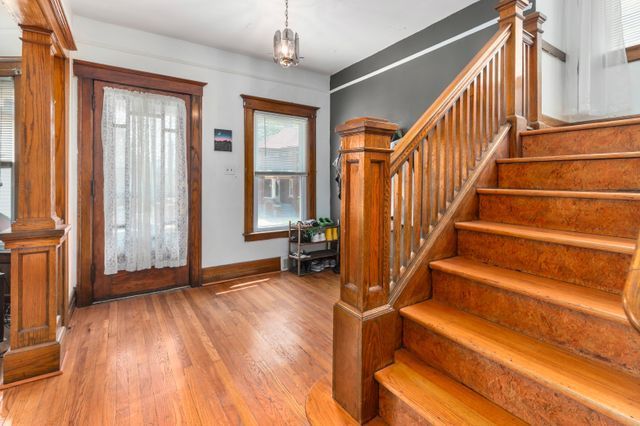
(227, 76)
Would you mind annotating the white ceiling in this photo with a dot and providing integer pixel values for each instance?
(334, 33)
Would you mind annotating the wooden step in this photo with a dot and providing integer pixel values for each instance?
(594, 261)
(593, 172)
(605, 213)
(601, 137)
(586, 321)
(413, 393)
(538, 382)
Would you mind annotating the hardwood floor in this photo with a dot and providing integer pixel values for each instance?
(244, 352)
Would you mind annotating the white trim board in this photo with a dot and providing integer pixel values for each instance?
(416, 55)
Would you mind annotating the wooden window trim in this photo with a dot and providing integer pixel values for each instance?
(87, 74)
(252, 104)
(633, 53)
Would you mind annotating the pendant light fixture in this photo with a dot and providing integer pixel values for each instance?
(286, 44)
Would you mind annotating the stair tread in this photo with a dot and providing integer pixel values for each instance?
(576, 239)
(437, 397)
(571, 157)
(629, 196)
(604, 389)
(587, 300)
(582, 127)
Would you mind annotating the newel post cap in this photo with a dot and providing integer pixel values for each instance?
(367, 125)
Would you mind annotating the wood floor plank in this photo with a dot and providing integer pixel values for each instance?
(243, 352)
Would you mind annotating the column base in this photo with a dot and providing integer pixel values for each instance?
(31, 361)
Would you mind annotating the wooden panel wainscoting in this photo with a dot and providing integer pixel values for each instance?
(88, 73)
(631, 294)
(222, 273)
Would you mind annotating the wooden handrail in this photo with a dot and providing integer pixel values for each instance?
(429, 118)
(631, 294)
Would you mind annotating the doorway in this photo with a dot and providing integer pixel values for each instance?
(139, 154)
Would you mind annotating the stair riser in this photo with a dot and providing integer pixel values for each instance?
(621, 174)
(587, 335)
(618, 218)
(395, 412)
(593, 141)
(592, 268)
(524, 397)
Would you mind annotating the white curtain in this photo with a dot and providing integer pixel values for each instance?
(145, 181)
(597, 74)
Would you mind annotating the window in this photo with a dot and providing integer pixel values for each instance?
(279, 166)
(7, 135)
(631, 28)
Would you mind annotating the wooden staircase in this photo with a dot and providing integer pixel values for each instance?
(490, 273)
(527, 321)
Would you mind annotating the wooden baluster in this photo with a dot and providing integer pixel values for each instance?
(511, 15)
(442, 167)
(426, 179)
(363, 343)
(490, 100)
(473, 121)
(487, 112)
(533, 24)
(466, 113)
(407, 211)
(499, 76)
(451, 155)
(480, 117)
(397, 224)
(433, 177)
(417, 201)
(455, 110)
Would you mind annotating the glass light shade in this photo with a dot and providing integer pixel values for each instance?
(286, 48)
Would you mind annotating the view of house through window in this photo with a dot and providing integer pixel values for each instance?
(7, 134)
(280, 170)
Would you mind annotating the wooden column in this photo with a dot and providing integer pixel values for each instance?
(37, 271)
(364, 325)
(533, 25)
(511, 14)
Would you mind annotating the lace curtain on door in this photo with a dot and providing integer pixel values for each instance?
(145, 181)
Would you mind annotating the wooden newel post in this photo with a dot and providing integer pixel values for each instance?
(511, 14)
(36, 236)
(363, 323)
(533, 25)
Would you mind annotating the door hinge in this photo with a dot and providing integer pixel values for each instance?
(93, 273)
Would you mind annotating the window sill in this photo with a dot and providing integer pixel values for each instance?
(633, 53)
(265, 235)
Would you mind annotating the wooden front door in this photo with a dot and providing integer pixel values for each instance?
(123, 283)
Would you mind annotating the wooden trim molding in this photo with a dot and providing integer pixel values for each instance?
(88, 73)
(216, 274)
(146, 80)
(47, 15)
(553, 51)
(252, 104)
(633, 53)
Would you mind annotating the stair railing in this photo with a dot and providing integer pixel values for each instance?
(393, 199)
(438, 154)
(631, 293)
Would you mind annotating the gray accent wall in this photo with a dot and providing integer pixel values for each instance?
(403, 93)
